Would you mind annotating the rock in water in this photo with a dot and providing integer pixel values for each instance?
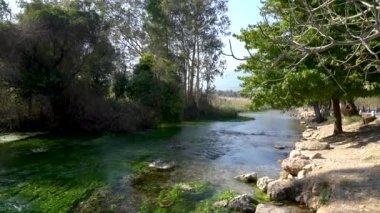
(262, 183)
(247, 178)
(162, 165)
(266, 208)
(40, 150)
(279, 147)
(294, 165)
(280, 190)
(242, 203)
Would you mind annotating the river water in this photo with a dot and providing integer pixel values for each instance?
(54, 173)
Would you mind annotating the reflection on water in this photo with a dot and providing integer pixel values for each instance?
(55, 172)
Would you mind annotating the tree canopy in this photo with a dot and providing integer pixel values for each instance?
(304, 52)
(84, 64)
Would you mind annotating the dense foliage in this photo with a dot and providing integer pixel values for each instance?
(302, 54)
(96, 65)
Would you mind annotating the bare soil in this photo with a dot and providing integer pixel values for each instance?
(351, 168)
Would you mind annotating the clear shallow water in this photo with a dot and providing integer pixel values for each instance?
(55, 173)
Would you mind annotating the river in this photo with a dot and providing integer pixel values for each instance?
(53, 173)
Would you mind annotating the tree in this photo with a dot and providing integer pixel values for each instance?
(189, 34)
(5, 11)
(51, 48)
(296, 62)
(146, 87)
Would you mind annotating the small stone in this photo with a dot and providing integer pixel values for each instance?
(262, 183)
(40, 150)
(285, 189)
(290, 176)
(298, 199)
(267, 208)
(308, 167)
(304, 157)
(221, 204)
(294, 165)
(315, 156)
(312, 145)
(247, 178)
(284, 175)
(307, 133)
(312, 127)
(295, 153)
(242, 203)
(162, 165)
(185, 187)
(301, 174)
(279, 147)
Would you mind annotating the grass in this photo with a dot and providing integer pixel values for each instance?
(324, 194)
(260, 195)
(352, 119)
(231, 104)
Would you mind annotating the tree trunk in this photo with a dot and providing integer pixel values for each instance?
(338, 129)
(30, 105)
(198, 92)
(354, 109)
(317, 111)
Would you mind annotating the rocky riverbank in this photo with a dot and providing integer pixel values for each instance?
(330, 173)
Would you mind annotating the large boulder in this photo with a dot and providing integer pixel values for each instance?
(242, 203)
(267, 208)
(312, 145)
(247, 178)
(262, 183)
(294, 165)
(280, 190)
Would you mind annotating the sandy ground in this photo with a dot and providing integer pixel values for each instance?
(351, 168)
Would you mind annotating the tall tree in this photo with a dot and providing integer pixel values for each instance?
(51, 47)
(191, 34)
(296, 62)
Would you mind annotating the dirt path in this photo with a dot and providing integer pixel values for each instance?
(351, 168)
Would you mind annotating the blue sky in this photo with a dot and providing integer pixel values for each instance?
(242, 13)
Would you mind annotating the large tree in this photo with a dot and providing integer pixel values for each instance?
(53, 47)
(309, 51)
(187, 33)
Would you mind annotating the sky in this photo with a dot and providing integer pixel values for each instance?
(241, 13)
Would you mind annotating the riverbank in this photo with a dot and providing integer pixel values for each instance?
(333, 173)
(11, 137)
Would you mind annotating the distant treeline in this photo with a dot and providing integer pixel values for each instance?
(228, 93)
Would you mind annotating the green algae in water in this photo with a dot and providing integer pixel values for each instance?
(181, 197)
(66, 172)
